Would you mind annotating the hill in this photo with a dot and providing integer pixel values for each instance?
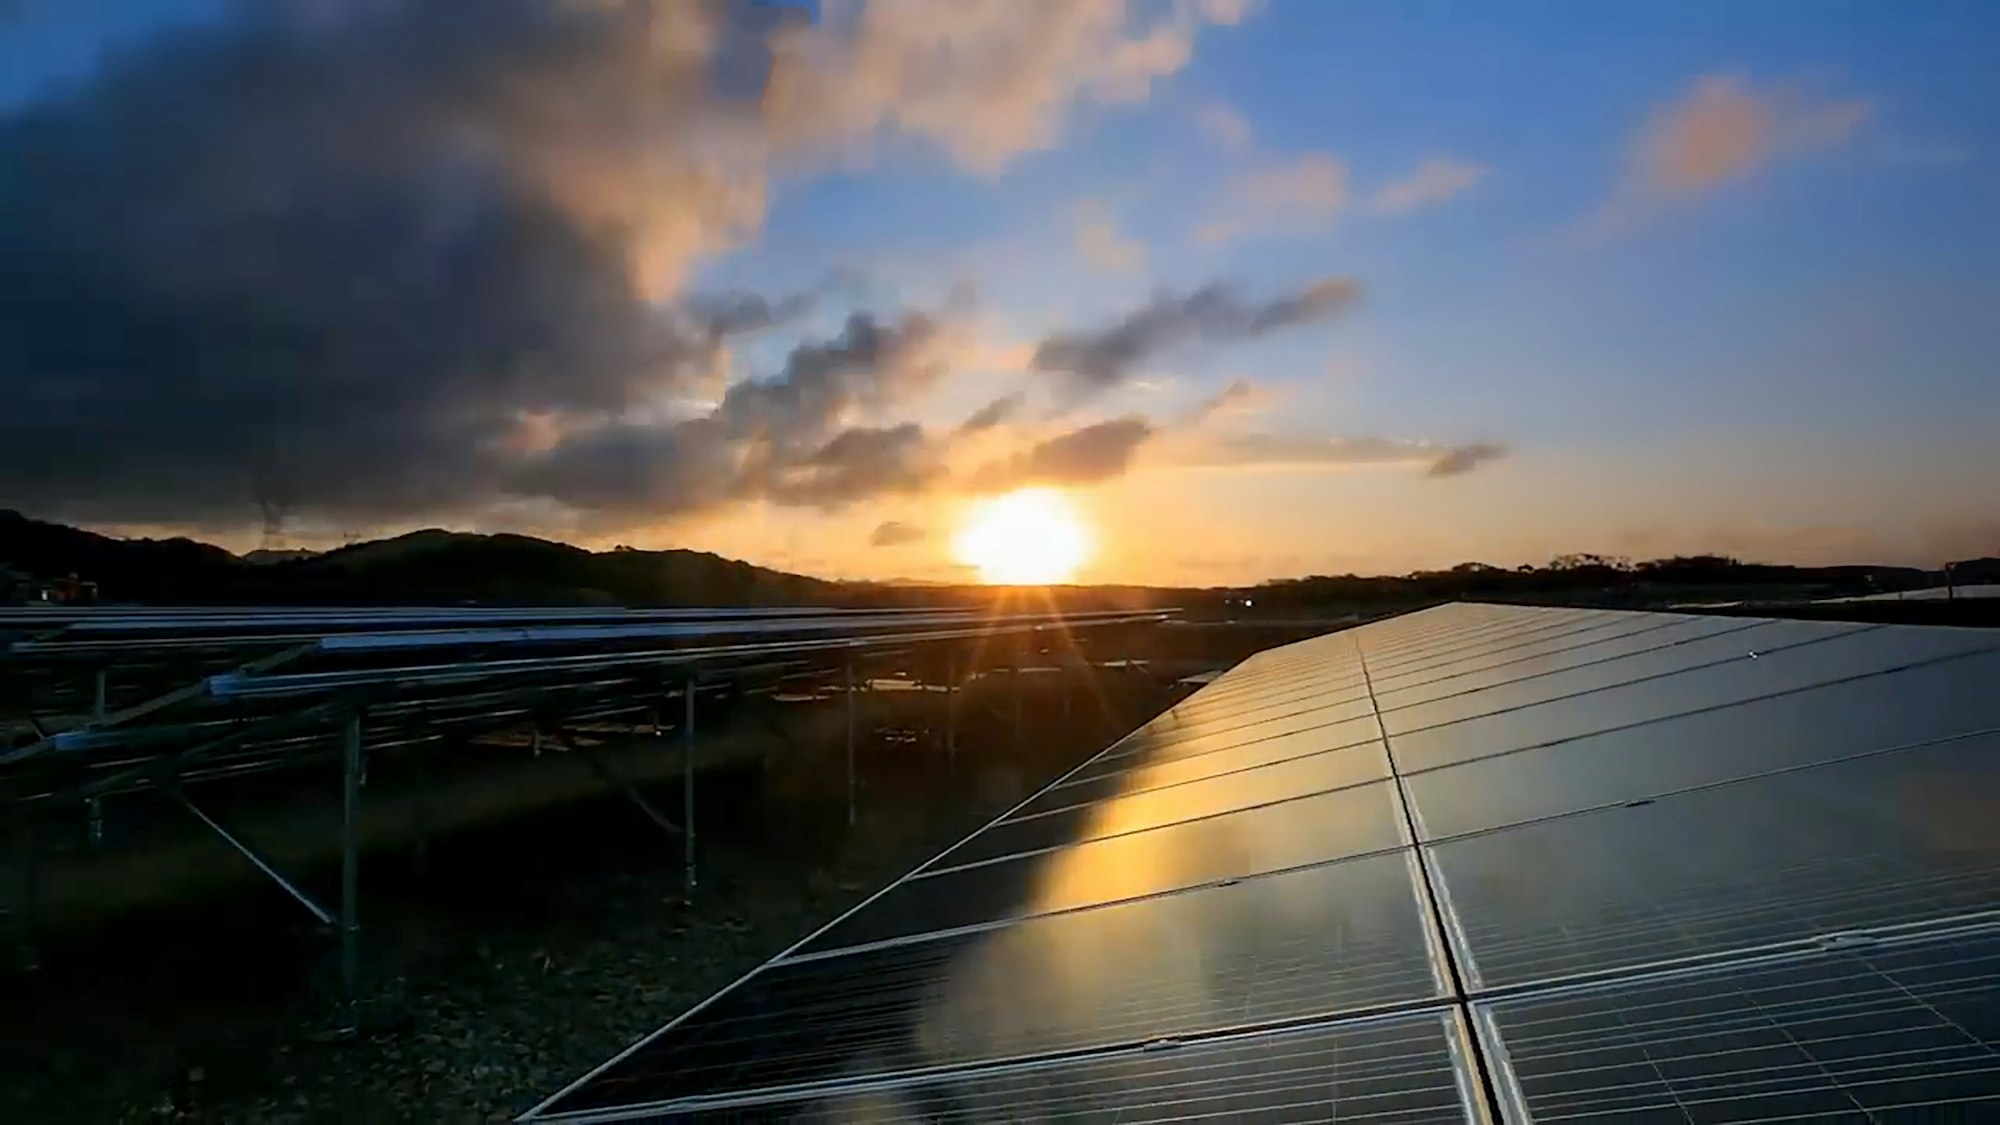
(423, 567)
(439, 567)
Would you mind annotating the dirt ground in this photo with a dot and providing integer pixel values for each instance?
(529, 952)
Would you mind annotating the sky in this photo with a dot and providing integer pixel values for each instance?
(1267, 288)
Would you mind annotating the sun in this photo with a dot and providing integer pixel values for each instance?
(1027, 538)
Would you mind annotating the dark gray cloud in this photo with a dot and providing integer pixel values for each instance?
(339, 253)
(1296, 451)
(1465, 458)
(1241, 396)
(1088, 455)
(998, 412)
(737, 313)
(785, 437)
(896, 533)
(1097, 361)
(859, 462)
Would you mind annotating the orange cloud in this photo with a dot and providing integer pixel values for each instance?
(1724, 129)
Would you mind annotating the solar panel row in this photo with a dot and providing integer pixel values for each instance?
(1481, 860)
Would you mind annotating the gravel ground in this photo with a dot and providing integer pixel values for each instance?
(528, 954)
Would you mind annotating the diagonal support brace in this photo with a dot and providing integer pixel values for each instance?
(256, 858)
(618, 783)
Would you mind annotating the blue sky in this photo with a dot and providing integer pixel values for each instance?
(1717, 276)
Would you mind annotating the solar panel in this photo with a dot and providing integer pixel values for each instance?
(1394, 1071)
(1904, 1031)
(1668, 867)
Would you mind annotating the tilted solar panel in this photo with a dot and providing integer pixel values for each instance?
(1474, 863)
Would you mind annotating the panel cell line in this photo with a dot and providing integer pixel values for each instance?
(1473, 863)
(1904, 1031)
(1392, 1071)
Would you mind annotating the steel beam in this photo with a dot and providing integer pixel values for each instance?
(179, 695)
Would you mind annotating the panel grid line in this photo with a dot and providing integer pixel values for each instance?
(1804, 940)
(1434, 920)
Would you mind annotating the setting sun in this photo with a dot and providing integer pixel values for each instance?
(1027, 538)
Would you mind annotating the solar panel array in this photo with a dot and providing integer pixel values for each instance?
(100, 700)
(1474, 863)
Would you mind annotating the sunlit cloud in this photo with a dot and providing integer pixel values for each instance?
(996, 413)
(1723, 129)
(521, 190)
(1087, 455)
(896, 533)
(1238, 398)
(1436, 180)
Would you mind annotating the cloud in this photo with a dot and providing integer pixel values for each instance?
(1224, 125)
(896, 533)
(1303, 194)
(1292, 451)
(862, 461)
(1239, 397)
(395, 259)
(1088, 455)
(1723, 129)
(998, 412)
(994, 80)
(1465, 458)
(1099, 243)
(785, 437)
(1435, 180)
(1096, 361)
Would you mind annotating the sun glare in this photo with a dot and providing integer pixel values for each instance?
(1027, 538)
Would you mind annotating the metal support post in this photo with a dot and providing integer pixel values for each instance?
(28, 892)
(350, 865)
(93, 811)
(1017, 698)
(950, 712)
(420, 808)
(848, 682)
(100, 704)
(687, 795)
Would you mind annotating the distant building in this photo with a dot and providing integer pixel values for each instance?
(17, 588)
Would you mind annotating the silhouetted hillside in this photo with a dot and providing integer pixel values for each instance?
(142, 569)
(1600, 580)
(446, 567)
(431, 567)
